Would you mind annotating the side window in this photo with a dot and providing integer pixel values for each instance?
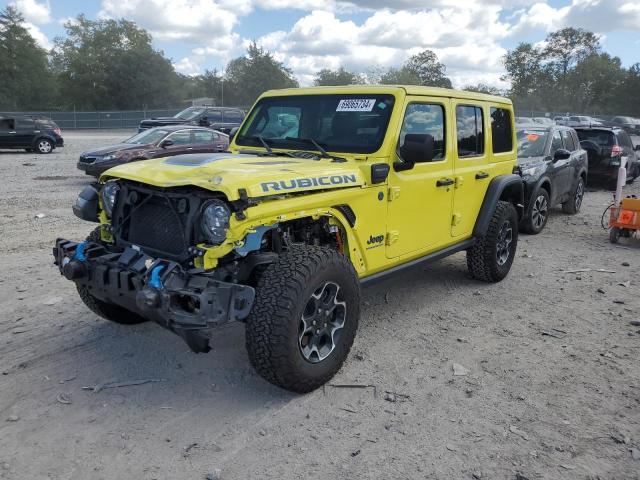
(470, 131)
(214, 115)
(183, 137)
(25, 123)
(556, 142)
(568, 140)
(233, 117)
(7, 124)
(203, 136)
(501, 133)
(423, 118)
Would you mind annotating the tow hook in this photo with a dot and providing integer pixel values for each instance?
(149, 297)
(74, 269)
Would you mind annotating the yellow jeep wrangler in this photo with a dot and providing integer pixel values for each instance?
(323, 190)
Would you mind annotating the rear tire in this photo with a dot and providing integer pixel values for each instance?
(572, 206)
(44, 146)
(304, 318)
(491, 257)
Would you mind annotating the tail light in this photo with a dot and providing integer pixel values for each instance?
(58, 131)
(616, 151)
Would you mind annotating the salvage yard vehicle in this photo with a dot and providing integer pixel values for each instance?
(554, 169)
(222, 119)
(606, 147)
(628, 124)
(327, 188)
(153, 143)
(33, 134)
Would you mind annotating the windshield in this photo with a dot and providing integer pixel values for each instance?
(531, 143)
(189, 113)
(147, 137)
(339, 123)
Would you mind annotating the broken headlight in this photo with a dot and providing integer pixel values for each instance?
(109, 194)
(215, 221)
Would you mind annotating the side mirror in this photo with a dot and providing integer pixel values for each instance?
(637, 148)
(232, 133)
(561, 154)
(166, 143)
(417, 148)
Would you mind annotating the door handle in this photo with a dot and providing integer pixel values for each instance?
(481, 175)
(445, 182)
(12, 132)
(189, 148)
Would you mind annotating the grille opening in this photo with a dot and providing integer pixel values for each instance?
(157, 225)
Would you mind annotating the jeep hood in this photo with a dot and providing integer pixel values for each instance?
(227, 173)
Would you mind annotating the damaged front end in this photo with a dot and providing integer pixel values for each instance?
(149, 263)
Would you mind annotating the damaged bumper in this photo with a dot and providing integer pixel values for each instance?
(185, 302)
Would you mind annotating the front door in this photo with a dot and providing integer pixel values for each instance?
(419, 214)
(560, 170)
(25, 132)
(473, 170)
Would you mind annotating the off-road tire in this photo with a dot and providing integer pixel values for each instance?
(614, 235)
(529, 225)
(282, 293)
(482, 258)
(106, 310)
(572, 206)
(44, 145)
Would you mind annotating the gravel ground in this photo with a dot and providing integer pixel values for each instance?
(551, 391)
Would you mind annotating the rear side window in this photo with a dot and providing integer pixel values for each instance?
(421, 118)
(233, 117)
(568, 141)
(202, 136)
(470, 131)
(501, 133)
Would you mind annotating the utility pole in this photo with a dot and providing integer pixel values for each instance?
(222, 83)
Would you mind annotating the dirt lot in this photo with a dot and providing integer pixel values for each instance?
(552, 390)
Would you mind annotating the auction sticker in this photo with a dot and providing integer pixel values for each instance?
(356, 105)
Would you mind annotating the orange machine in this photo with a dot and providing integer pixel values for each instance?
(625, 219)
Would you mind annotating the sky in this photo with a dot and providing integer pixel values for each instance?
(470, 37)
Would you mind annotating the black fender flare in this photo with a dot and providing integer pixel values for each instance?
(503, 187)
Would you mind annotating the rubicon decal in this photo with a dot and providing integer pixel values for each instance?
(324, 181)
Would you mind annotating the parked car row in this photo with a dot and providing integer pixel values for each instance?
(556, 161)
(630, 125)
(223, 119)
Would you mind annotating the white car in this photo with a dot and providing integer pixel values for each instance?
(544, 121)
(561, 120)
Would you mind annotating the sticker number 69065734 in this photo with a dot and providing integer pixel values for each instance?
(356, 105)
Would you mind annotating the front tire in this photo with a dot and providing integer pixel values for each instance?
(572, 206)
(108, 311)
(538, 212)
(491, 257)
(44, 146)
(304, 319)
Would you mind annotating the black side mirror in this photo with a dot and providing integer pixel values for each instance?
(417, 148)
(561, 154)
(166, 143)
(232, 133)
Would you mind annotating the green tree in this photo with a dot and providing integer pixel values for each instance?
(430, 71)
(249, 76)
(327, 77)
(111, 64)
(400, 76)
(566, 47)
(25, 80)
(596, 82)
(483, 88)
(628, 99)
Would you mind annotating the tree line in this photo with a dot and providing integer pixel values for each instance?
(111, 64)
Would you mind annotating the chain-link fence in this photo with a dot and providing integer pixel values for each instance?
(534, 113)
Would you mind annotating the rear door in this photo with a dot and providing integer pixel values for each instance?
(472, 169)
(25, 131)
(205, 141)
(420, 198)
(7, 132)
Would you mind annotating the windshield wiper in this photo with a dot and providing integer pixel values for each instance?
(269, 153)
(318, 147)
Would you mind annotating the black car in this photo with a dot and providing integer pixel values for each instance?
(628, 124)
(606, 148)
(554, 169)
(37, 134)
(222, 119)
(154, 143)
